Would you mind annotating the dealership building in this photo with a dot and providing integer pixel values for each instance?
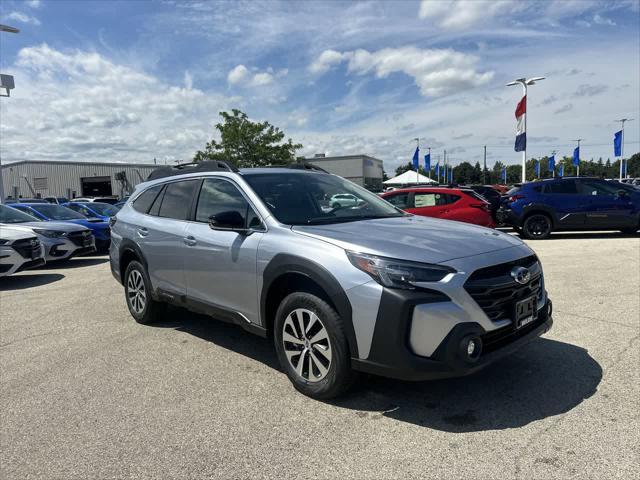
(361, 169)
(30, 178)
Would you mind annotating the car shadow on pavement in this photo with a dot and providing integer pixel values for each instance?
(544, 379)
(20, 282)
(75, 263)
(226, 335)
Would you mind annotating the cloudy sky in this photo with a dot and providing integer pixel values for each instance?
(134, 80)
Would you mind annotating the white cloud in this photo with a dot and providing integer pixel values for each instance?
(600, 20)
(237, 74)
(22, 17)
(81, 105)
(242, 76)
(34, 3)
(325, 61)
(436, 72)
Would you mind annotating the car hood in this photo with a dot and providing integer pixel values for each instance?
(60, 226)
(92, 223)
(15, 232)
(420, 239)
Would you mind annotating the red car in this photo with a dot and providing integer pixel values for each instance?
(448, 203)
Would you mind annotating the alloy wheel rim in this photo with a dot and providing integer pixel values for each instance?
(136, 292)
(538, 226)
(306, 345)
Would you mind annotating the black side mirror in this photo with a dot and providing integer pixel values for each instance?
(228, 220)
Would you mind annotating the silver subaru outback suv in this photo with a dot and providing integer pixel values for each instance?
(362, 287)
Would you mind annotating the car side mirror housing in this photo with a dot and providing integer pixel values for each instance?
(230, 220)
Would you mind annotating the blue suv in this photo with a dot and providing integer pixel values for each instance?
(571, 203)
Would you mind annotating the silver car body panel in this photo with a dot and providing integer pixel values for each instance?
(227, 268)
(8, 255)
(64, 244)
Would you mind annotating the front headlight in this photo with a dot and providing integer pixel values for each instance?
(49, 233)
(394, 273)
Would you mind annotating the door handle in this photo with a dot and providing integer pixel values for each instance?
(143, 232)
(190, 241)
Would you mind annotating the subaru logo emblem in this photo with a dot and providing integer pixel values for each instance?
(521, 275)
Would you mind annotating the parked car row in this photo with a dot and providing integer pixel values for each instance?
(32, 233)
(535, 209)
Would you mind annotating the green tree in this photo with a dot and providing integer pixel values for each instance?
(248, 144)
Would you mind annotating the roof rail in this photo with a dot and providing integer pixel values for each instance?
(192, 167)
(306, 166)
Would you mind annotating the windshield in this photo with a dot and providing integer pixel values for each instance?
(103, 209)
(309, 198)
(11, 215)
(57, 212)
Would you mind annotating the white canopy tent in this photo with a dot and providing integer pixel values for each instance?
(409, 177)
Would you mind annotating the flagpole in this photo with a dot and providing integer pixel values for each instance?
(622, 120)
(429, 172)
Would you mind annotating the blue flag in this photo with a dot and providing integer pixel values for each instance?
(552, 163)
(617, 144)
(451, 175)
(416, 158)
(438, 169)
(427, 162)
(576, 156)
(537, 168)
(504, 175)
(561, 170)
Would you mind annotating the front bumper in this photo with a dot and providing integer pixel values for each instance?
(398, 361)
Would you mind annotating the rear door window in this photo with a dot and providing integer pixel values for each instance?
(144, 201)
(176, 202)
(567, 187)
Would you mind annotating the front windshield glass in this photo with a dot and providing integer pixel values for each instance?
(312, 199)
(57, 212)
(104, 209)
(11, 215)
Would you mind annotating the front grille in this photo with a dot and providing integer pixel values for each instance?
(496, 292)
(27, 248)
(80, 239)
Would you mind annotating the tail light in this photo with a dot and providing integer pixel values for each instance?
(513, 198)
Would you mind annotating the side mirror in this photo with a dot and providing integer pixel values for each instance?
(229, 220)
(622, 193)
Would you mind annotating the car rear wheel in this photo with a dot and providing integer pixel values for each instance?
(137, 289)
(537, 227)
(312, 347)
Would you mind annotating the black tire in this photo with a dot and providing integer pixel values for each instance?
(537, 226)
(136, 276)
(339, 376)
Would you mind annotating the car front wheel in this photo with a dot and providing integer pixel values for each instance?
(312, 347)
(537, 227)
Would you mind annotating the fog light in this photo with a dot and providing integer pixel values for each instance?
(471, 348)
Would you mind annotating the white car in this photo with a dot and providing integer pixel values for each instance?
(60, 240)
(341, 200)
(20, 249)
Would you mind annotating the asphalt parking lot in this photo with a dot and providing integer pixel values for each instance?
(88, 393)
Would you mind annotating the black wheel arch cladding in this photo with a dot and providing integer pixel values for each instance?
(283, 264)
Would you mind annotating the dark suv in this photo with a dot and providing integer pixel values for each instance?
(572, 203)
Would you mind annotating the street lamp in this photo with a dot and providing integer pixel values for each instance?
(525, 83)
(6, 83)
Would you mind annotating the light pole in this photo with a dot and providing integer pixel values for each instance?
(8, 87)
(525, 83)
(622, 120)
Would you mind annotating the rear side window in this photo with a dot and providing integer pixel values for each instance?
(176, 202)
(594, 187)
(400, 200)
(433, 199)
(565, 187)
(144, 201)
